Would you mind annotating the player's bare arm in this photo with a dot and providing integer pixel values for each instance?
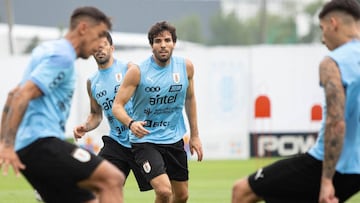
(190, 109)
(330, 78)
(13, 114)
(16, 110)
(94, 119)
(126, 90)
(6, 107)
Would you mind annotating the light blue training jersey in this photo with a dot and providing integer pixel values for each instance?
(52, 70)
(159, 100)
(347, 58)
(104, 86)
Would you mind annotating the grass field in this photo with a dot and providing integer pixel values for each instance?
(210, 182)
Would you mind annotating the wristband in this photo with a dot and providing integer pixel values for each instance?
(131, 122)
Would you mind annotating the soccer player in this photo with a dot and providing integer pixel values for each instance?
(159, 89)
(102, 88)
(330, 171)
(34, 117)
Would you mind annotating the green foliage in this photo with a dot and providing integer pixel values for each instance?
(311, 10)
(227, 30)
(281, 30)
(189, 29)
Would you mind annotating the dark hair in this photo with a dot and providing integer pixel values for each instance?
(351, 7)
(109, 38)
(160, 27)
(90, 12)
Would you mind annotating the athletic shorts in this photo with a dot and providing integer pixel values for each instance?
(54, 167)
(157, 159)
(297, 180)
(123, 158)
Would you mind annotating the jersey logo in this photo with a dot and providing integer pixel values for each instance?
(176, 77)
(81, 155)
(146, 167)
(118, 77)
(175, 88)
(259, 174)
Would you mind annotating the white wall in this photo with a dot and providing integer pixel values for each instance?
(227, 82)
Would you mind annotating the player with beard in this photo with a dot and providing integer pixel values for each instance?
(102, 88)
(32, 139)
(160, 88)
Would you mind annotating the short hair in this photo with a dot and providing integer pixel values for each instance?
(160, 27)
(89, 12)
(109, 38)
(351, 7)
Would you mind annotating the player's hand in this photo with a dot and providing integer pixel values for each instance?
(327, 192)
(195, 145)
(79, 131)
(8, 157)
(137, 128)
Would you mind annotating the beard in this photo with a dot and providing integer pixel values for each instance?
(102, 60)
(163, 59)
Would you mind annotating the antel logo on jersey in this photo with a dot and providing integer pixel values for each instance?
(152, 89)
(101, 94)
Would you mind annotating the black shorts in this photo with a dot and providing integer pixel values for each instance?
(157, 159)
(54, 167)
(297, 180)
(123, 158)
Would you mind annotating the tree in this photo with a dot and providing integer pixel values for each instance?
(189, 29)
(311, 10)
(281, 30)
(227, 30)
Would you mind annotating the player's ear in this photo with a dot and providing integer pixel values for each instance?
(82, 27)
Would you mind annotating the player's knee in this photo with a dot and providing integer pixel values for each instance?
(239, 188)
(112, 177)
(241, 192)
(181, 197)
(163, 192)
(116, 178)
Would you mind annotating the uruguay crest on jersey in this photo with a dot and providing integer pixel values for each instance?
(176, 77)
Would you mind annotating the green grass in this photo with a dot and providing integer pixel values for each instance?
(210, 182)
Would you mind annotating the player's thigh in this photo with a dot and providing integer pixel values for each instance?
(54, 167)
(292, 178)
(150, 160)
(143, 183)
(346, 185)
(116, 154)
(176, 161)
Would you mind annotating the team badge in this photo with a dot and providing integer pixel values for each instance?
(118, 77)
(146, 167)
(176, 77)
(81, 155)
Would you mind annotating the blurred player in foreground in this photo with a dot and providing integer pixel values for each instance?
(35, 114)
(330, 171)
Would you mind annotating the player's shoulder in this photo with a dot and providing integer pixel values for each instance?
(56, 52)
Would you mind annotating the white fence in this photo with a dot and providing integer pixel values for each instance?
(228, 80)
